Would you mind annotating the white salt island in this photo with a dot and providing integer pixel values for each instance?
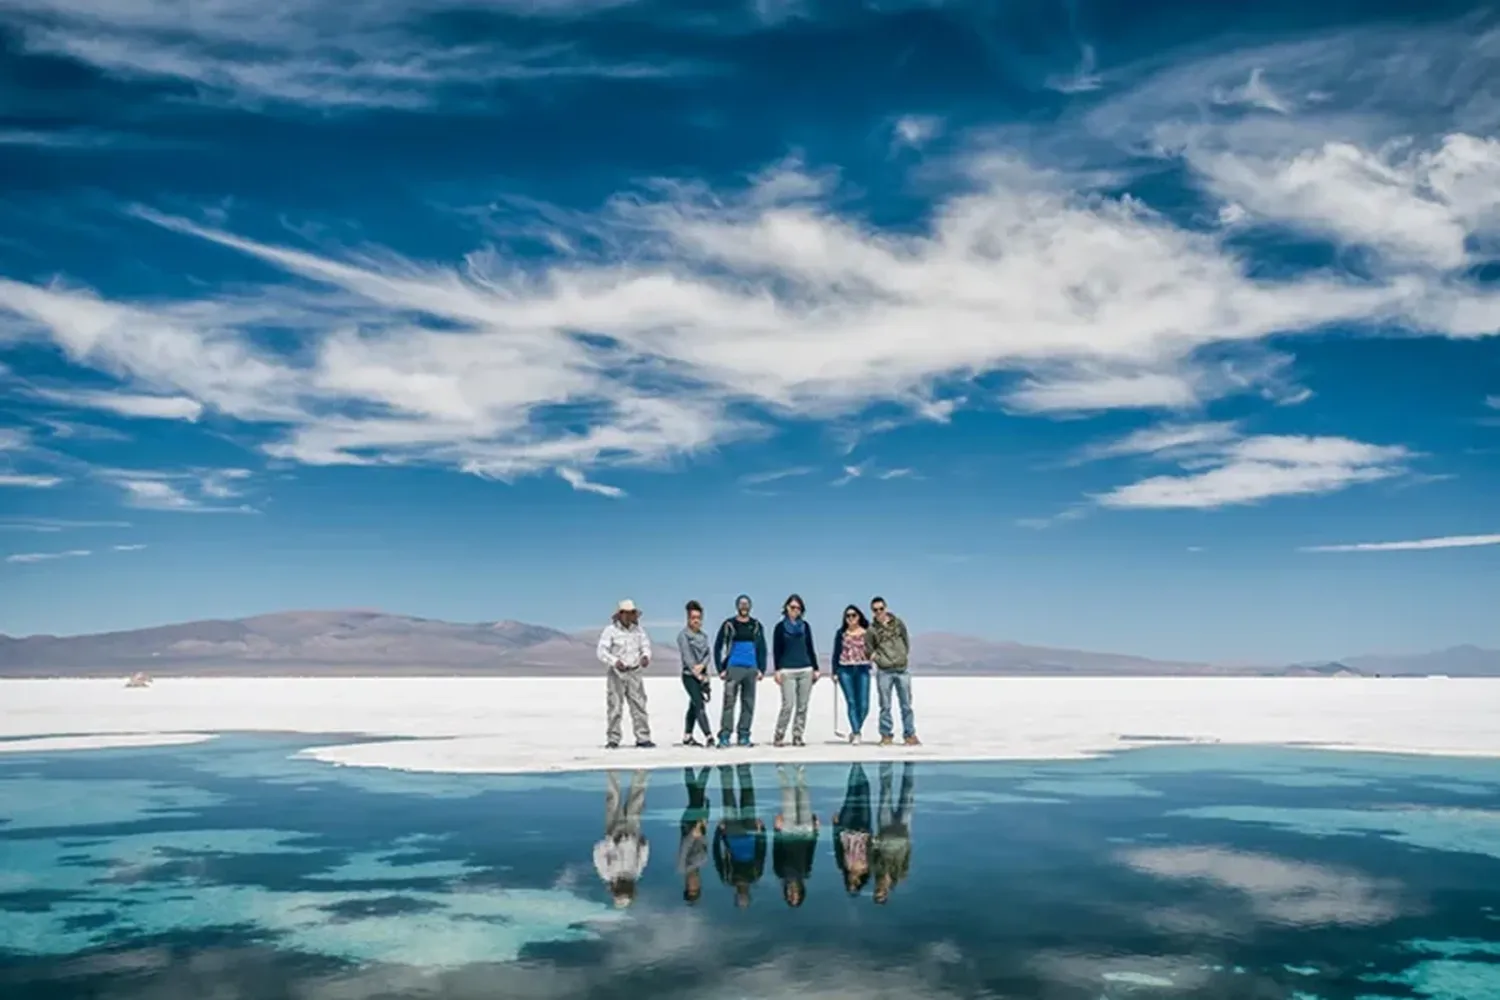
(513, 725)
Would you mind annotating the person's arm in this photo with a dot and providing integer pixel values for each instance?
(719, 651)
(604, 651)
(905, 638)
(812, 652)
(778, 647)
(645, 647)
(685, 650)
(760, 648)
(837, 650)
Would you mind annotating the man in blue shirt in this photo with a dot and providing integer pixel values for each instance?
(740, 655)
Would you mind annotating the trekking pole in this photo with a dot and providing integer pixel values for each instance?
(837, 691)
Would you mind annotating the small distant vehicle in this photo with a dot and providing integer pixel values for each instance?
(139, 679)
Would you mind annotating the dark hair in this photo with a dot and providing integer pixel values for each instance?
(788, 603)
(693, 606)
(877, 599)
(863, 621)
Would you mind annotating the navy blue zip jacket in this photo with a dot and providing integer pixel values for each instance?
(793, 652)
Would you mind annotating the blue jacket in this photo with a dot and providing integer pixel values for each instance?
(789, 652)
(732, 652)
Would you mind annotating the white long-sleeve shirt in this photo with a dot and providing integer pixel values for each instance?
(623, 858)
(630, 646)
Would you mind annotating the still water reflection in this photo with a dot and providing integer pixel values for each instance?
(240, 870)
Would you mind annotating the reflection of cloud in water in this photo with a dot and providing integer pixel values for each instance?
(30, 803)
(1465, 831)
(1135, 974)
(1091, 787)
(158, 884)
(1278, 890)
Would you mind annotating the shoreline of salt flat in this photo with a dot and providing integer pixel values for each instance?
(520, 725)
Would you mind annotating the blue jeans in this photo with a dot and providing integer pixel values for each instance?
(885, 680)
(854, 681)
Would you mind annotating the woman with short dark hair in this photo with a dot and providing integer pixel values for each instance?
(696, 650)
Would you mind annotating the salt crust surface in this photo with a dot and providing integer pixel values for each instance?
(522, 725)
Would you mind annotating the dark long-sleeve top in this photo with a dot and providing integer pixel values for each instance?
(793, 652)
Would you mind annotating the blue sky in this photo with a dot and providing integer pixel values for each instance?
(1104, 325)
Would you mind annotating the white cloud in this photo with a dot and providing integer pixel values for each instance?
(126, 404)
(306, 52)
(1221, 471)
(52, 525)
(14, 439)
(196, 490)
(1493, 402)
(693, 298)
(915, 131)
(1085, 77)
(582, 484)
(127, 548)
(761, 478)
(1414, 545)
(26, 481)
(1171, 439)
(36, 557)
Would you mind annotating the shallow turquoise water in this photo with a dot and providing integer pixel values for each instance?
(237, 869)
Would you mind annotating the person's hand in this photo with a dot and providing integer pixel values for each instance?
(816, 675)
(760, 677)
(645, 661)
(779, 824)
(619, 664)
(723, 675)
(778, 678)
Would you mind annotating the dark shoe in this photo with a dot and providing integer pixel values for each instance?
(797, 742)
(779, 741)
(723, 740)
(688, 741)
(612, 745)
(645, 745)
(744, 741)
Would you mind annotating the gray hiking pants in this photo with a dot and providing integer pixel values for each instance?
(739, 683)
(626, 687)
(796, 691)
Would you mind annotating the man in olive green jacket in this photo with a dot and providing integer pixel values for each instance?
(890, 651)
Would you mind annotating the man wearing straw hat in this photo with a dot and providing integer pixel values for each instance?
(625, 649)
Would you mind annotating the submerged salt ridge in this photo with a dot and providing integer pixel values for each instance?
(511, 725)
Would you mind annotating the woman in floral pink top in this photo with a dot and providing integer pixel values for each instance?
(851, 668)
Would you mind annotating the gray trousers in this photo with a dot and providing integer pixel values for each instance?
(796, 691)
(739, 683)
(626, 687)
(796, 800)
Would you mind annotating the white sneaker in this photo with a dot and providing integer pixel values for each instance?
(854, 739)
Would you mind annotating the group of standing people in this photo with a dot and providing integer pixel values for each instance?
(878, 647)
(869, 843)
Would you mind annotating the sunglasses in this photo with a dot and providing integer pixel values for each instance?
(851, 616)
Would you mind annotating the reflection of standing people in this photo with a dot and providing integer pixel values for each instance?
(892, 847)
(696, 651)
(625, 649)
(890, 650)
(796, 669)
(740, 840)
(796, 835)
(851, 668)
(621, 856)
(692, 850)
(851, 831)
(740, 654)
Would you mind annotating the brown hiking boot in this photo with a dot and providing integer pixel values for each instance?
(886, 741)
(912, 741)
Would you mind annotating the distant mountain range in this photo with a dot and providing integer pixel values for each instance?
(372, 643)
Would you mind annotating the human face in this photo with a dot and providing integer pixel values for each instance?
(794, 610)
(695, 620)
(851, 619)
(877, 608)
(743, 607)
